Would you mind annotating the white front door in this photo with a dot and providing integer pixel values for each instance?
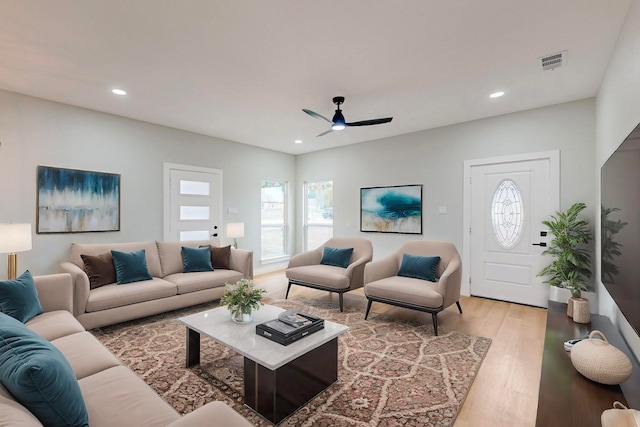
(193, 202)
(509, 199)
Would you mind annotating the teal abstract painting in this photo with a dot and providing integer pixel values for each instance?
(76, 201)
(396, 209)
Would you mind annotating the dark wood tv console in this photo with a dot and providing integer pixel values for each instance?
(566, 398)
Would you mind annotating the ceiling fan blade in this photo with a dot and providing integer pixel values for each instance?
(316, 115)
(370, 122)
(324, 133)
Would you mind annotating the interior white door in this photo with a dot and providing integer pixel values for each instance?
(193, 203)
(509, 201)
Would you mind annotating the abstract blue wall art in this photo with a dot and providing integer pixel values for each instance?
(75, 201)
(396, 209)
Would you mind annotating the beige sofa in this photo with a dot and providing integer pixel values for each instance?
(113, 394)
(169, 288)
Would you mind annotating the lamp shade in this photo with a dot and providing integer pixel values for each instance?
(235, 229)
(15, 238)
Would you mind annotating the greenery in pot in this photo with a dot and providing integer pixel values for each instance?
(571, 264)
(242, 297)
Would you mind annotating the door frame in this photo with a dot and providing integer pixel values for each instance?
(167, 168)
(554, 171)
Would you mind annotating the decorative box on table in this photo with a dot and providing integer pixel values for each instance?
(290, 326)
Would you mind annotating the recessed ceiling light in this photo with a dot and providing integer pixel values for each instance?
(496, 94)
(298, 141)
(118, 91)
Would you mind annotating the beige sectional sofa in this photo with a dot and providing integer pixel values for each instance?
(113, 394)
(169, 288)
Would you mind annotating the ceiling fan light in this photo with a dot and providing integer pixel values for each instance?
(337, 126)
(338, 121)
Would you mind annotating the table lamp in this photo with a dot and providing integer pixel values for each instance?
(235, 229)
(14, 238)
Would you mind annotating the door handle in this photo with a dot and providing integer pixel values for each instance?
(543, 244)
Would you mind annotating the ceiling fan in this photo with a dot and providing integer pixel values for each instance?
(339, 122)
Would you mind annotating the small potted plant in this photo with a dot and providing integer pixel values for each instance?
(571, 265)
(242, 298)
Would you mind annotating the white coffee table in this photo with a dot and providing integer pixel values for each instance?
(278, 379)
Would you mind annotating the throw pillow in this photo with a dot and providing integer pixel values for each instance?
(220, 257)
(19, 298)
(100, 269)
(338, 257)
(38, 376)
(419, 267)
(131, 266)
(196, 259)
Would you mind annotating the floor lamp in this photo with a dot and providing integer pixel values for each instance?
(235, 229)
(14, 238)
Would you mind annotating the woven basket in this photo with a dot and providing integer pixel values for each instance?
(600, 361)
(620, 416)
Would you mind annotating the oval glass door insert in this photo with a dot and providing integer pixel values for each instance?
(507, 214)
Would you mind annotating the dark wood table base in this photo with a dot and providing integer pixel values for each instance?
(276, 394)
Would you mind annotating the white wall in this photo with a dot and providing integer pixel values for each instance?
(617, 114)
(435, 158)
(36, 132)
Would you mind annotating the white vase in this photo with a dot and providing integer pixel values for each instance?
(242, 318)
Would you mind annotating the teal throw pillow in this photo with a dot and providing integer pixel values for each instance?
(196, 259)
(19, 298)
(38, 376)
(130, 266)
(338, 257)
(419, 267)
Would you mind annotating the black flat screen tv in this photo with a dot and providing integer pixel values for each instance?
(620, 227)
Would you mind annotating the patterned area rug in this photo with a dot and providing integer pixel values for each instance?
(391, 373)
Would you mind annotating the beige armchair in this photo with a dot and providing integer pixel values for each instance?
(305, 268)
(382, 283)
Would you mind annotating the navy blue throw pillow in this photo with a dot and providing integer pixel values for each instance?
(19, 298)
(196, 259)
(419, 267)
(130, 266)
(336, 257)
(38, 376)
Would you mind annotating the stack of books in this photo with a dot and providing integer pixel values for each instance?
(290, 326)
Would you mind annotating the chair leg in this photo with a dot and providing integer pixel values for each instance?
(434, 316)
(340, 296)
(368, 308)
(287, 294)
(459, 308)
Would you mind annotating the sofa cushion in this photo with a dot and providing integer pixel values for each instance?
(326, 275)
(170, 254)
(111, 296)
(196, 259)
(54, 324)
(100, 269)
(192, 282)
(85, 354)
(131, 266)
(407, 290)
(119, 387)
(13, 414)
(19, 298)
(419, 267)
(150, 249)
(221, 257)
(39, 377)
(338, 257)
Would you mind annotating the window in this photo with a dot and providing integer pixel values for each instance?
(273, 213)
(506, 214)
(318, 208)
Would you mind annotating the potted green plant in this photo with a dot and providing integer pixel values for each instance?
(242, 298)
(571, 265)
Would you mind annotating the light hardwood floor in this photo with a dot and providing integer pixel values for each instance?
(505, 392)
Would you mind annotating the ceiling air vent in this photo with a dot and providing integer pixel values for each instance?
(556, 60)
